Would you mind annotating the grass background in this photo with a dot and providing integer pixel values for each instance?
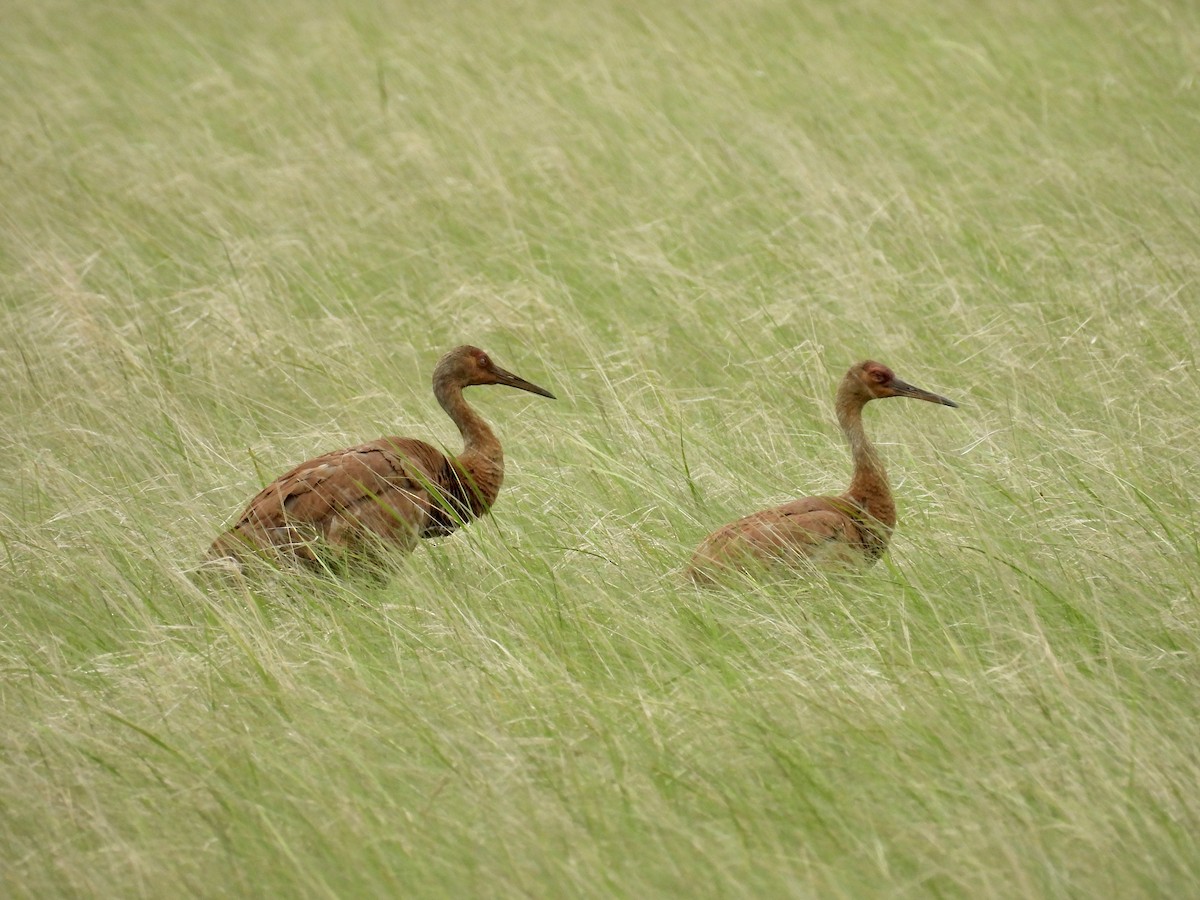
(233, 235)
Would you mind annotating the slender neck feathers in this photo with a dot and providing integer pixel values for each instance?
(869, 484)
(481, 464)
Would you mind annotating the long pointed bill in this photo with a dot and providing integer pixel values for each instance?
(903, 389)
(511, 380)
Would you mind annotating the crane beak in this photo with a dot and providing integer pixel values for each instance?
(511, 380)
(903, 389)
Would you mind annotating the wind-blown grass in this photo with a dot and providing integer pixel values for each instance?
(233, 237)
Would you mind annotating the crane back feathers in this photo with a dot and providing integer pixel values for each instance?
(810, 530)
(390, 491)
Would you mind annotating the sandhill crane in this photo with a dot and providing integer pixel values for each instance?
(853, 527)
(384, 494)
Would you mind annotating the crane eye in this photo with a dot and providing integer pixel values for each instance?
(483, 360)
(878, 377)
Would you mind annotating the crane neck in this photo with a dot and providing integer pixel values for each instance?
(481, 463)
(869, 487)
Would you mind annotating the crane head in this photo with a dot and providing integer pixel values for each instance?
(469, 366)
(878, 381)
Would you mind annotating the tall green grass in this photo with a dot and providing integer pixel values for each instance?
(233, 236)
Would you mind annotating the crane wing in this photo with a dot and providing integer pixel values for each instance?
(391, 490)
(815, 529)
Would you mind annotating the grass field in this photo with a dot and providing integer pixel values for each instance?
(233, 235)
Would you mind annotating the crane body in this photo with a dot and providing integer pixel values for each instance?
(851, 528)
(385, 494)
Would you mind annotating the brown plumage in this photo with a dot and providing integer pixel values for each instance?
(852, 527)
(351, 503)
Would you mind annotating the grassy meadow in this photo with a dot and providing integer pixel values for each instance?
(234, 235)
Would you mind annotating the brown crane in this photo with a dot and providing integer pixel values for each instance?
(852, 527)
(352, 503)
